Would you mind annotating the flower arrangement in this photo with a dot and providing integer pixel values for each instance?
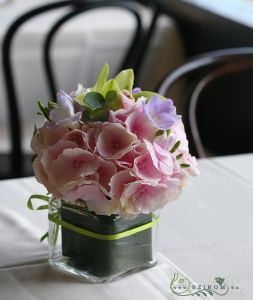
(121, 150)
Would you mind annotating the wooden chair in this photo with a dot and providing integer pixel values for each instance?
(132, 59)
(218, 101)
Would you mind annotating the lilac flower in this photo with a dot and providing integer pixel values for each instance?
(64, 113)
(136, 90)
(162, 113)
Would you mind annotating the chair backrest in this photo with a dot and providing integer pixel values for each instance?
(132, 59)
(218, 101)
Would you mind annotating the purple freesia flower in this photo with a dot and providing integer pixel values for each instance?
(136, 90)
(64, 113)
(162, 113)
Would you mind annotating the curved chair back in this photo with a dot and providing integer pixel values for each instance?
(218, 101)
(132, 59)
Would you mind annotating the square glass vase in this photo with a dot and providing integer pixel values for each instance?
(96, 247)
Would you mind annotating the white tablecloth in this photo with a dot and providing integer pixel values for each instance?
(207, 233)
(80, 50)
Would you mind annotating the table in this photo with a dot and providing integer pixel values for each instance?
(207, 233)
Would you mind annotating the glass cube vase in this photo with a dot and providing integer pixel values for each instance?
(99, 248)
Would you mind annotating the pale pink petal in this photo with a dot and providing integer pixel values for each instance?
(118, 182)
(91, 138)
(106, 170)
(142, 197)
(127, 160)
(47, 136)
(126, 99)
(193, 164)
(144, 169)
(139, 124)
(42, 177)
(145, 197)
(180, 135)
(76, 136)
(77, 163)
(164, 142)
(162, 159)
(93, 197)
(118, 116)
(54, 151)
(114, 141)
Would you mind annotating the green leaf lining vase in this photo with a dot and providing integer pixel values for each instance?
(99, 248)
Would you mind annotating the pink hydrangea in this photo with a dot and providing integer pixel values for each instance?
(135, 161)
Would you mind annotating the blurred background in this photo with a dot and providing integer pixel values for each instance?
(174, 31)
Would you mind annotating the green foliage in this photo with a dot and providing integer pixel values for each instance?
(112, 100)
(44, 236)
(51, 105)
(125, 80)
(184, 165)
(168, 131)
(146, 94)
(159, 132)
(179, 156)
(175, 147)
(44, 110)
(40, 197)
(94, 100)
(102, 78)
(110, 85)
(104, 95)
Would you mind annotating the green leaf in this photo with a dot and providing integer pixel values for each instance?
(94, 100)
(51, 105)
(179, 156)
(35, 196)
(168, 131)
(44, 236)
(159, 132)
(110, 85)
(87, 116)
(110, 96)
(100, 115)
(147, 94)
(55, 233)
(79, 98)
(44, 110)
(42, 207)
(175, 147)
(102, 78)
(184, 165)
(125, 80)
(112, 100)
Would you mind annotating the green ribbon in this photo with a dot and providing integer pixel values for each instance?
(40, 197)
(106, 237)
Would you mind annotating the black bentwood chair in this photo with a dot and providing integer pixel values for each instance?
(216, 89)
(132, 59)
